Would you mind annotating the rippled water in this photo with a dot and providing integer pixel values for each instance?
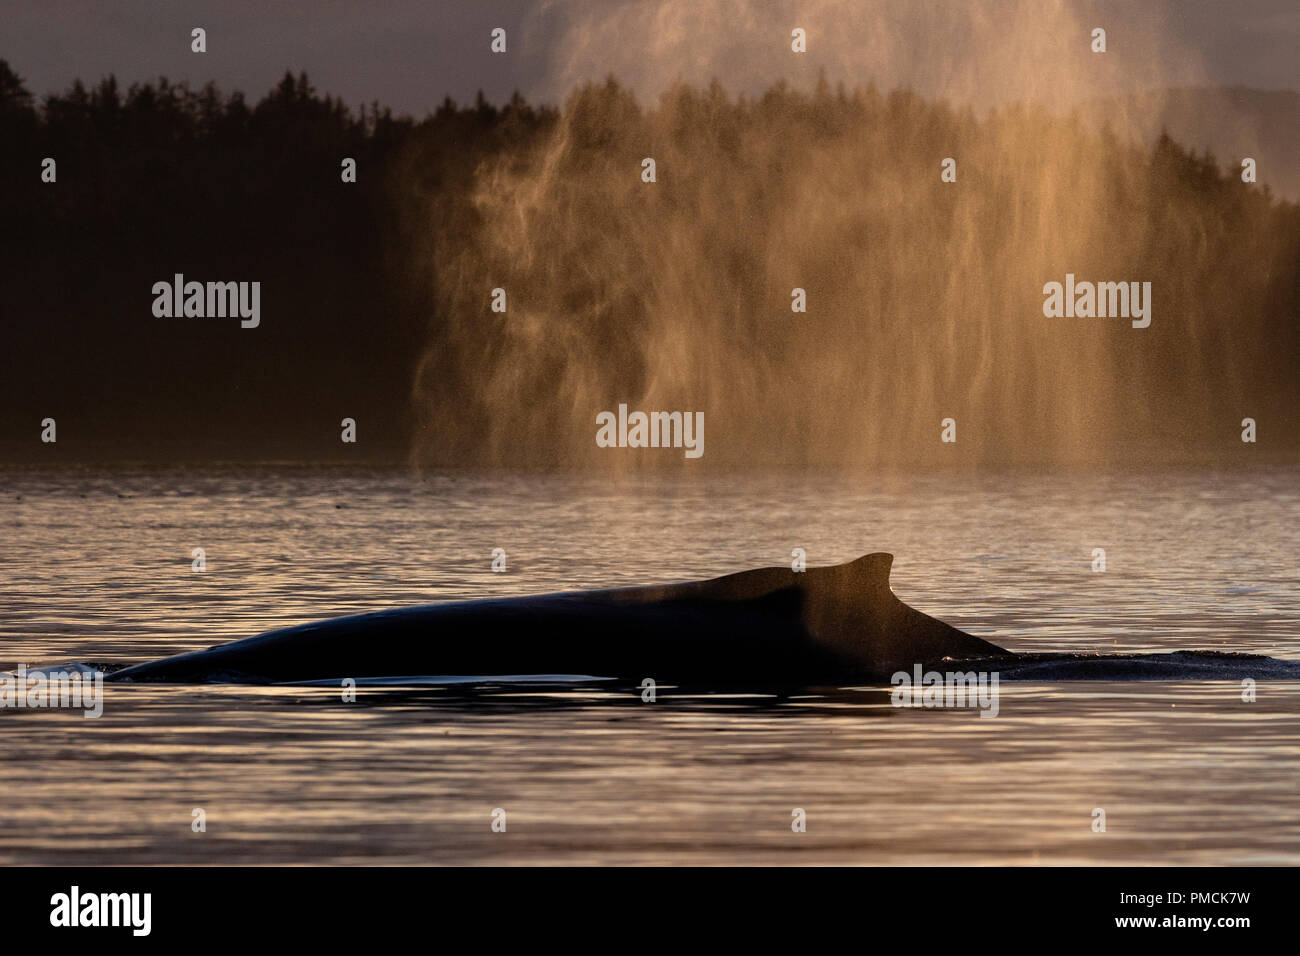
(96, 566)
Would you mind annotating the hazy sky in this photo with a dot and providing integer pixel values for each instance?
(408, 54)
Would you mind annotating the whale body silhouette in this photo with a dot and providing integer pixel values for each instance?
(825, 624)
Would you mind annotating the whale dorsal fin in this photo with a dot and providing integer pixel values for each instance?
(862, 581)
(852, 606)
(869, 573)
(849, 608)
(845, 602)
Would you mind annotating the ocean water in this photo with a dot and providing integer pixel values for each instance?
(95, 566)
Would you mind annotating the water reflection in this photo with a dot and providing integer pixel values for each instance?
(96, 567)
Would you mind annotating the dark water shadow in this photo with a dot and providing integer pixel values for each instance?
(518, 697)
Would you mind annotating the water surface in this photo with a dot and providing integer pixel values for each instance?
(96, 566)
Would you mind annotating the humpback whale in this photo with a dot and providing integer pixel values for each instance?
(772, 625)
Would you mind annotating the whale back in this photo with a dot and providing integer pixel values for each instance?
(824, 623)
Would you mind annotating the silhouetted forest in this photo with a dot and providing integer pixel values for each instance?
(159, 179)
(924, 296)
